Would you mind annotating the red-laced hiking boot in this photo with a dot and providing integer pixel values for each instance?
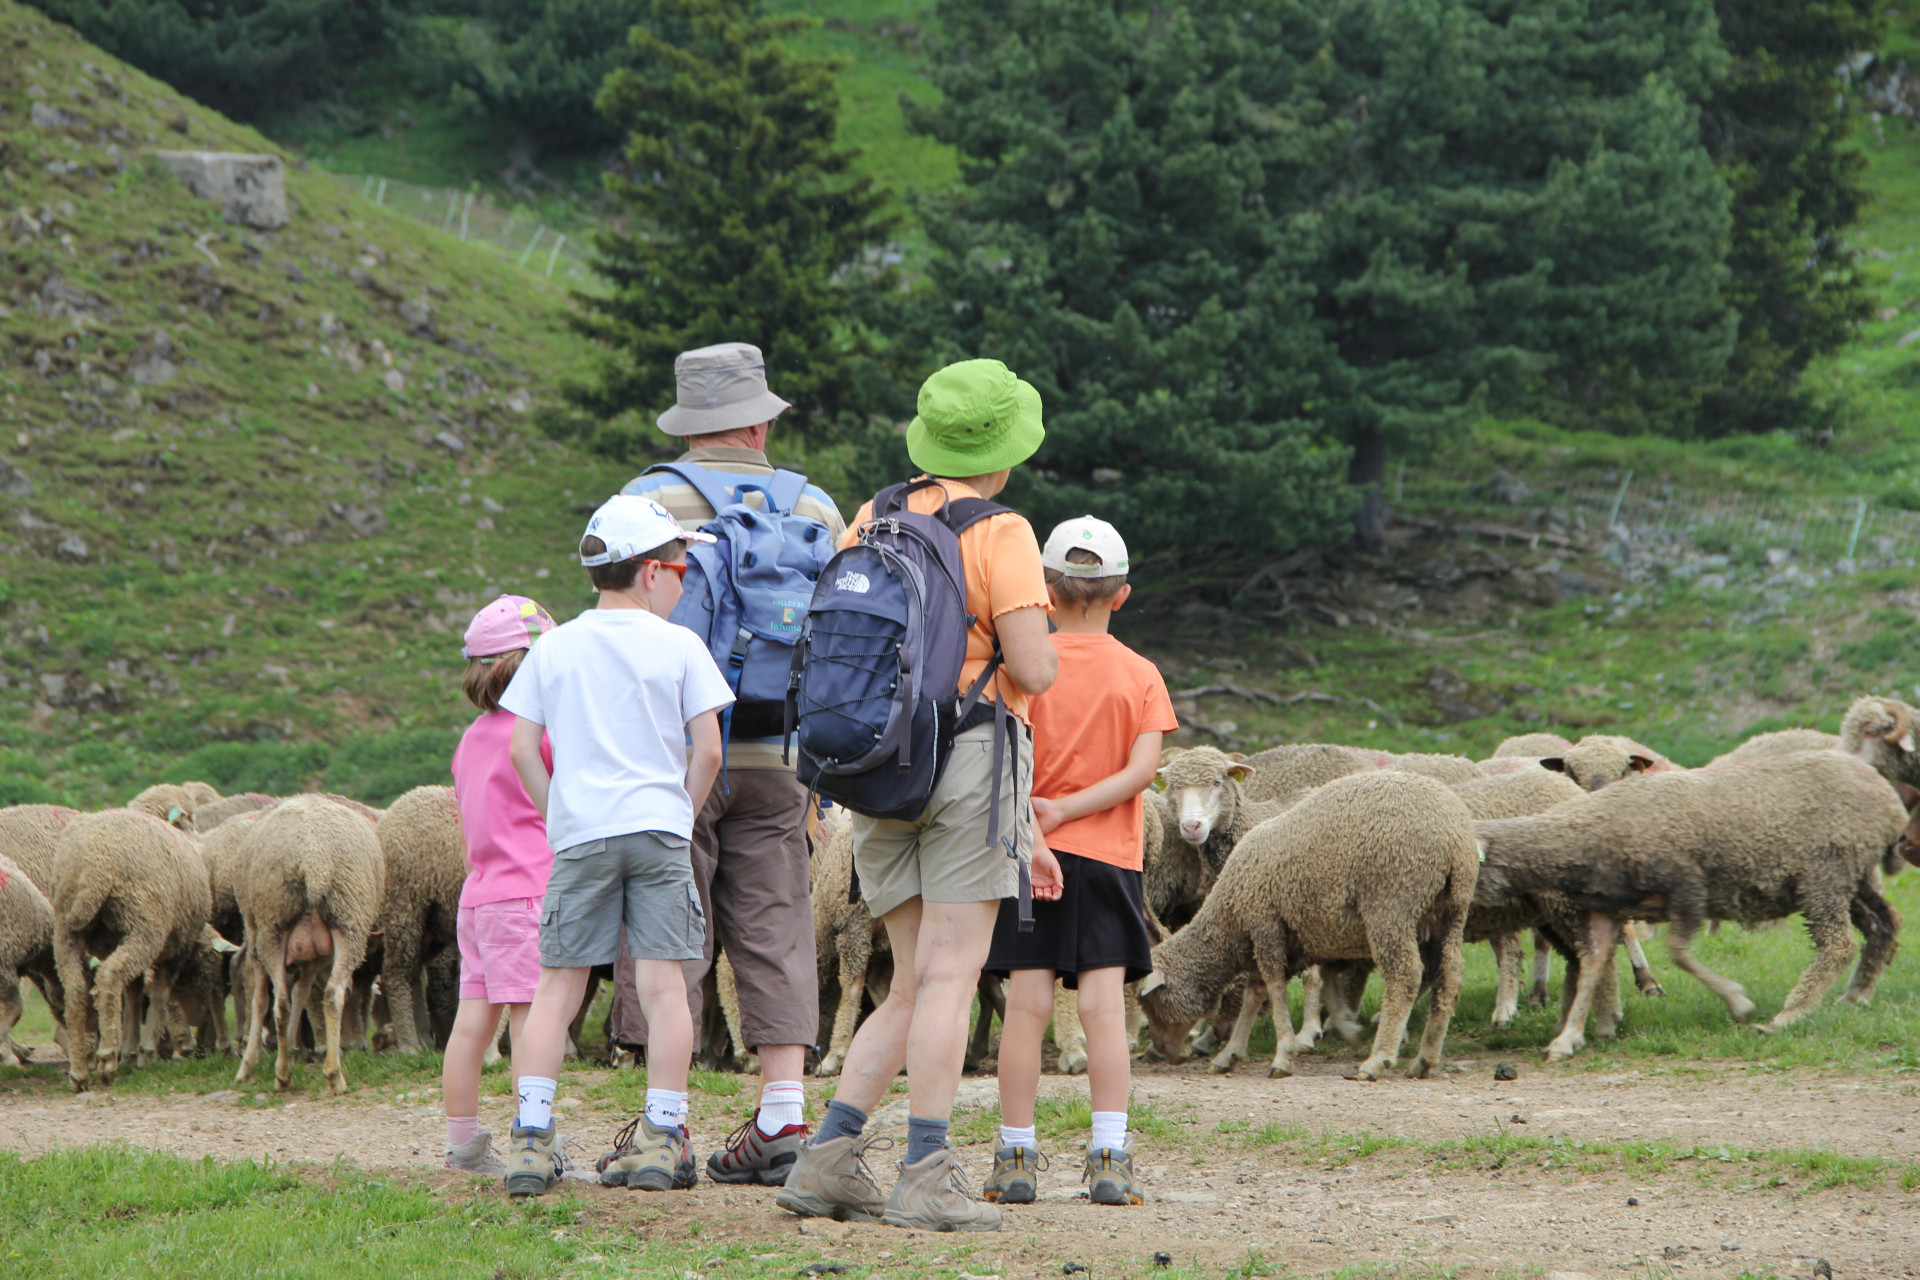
(752, 1156)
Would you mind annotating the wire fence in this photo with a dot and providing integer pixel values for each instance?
(1848, 532)
(512, 233)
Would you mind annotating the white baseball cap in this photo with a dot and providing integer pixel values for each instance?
(631, 525)
(1089, 533)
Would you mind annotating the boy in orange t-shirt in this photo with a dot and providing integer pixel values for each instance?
(1096, 739)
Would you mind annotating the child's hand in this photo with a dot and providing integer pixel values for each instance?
(1048, 881)
(1048, 814)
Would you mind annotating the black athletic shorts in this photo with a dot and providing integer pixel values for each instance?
(1099, 922)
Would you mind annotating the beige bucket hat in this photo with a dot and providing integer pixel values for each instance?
(721, 388)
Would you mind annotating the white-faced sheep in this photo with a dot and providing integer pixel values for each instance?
(132, 890)
(1879, 731)
(1364, 868)
(310, 881)
(1747, 842)
(26, 950)
(1211, 811)
(426, 860)
(28, 833)
(1601, 758)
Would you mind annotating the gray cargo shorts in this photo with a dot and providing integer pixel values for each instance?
(643, 881)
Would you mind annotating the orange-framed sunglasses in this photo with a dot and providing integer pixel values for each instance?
(677, 570)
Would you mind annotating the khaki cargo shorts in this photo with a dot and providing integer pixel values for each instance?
(943, 855)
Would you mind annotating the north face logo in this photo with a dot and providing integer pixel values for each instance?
(854, 582)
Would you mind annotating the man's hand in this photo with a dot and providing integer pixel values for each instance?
(1048, 881)
(1048, 814)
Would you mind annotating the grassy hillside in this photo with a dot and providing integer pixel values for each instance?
(255, 482)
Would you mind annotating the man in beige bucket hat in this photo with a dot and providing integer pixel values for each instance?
(750, 856)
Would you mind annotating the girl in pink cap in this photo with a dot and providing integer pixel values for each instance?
(508, 860)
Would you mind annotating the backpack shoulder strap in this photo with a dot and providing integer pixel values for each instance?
(704, 482)
(893, 499)
(963, 513)
(784, 490)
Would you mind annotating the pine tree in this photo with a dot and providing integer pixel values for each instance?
(1777, 127)
(537, 65)
(750, 222)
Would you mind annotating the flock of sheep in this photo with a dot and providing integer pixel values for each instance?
(1313, 861)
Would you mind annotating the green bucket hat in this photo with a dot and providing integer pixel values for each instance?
(975, 417)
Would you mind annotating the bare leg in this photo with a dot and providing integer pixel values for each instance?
(540, 1042)
(1103, 1013)
(1069, 1037)
(474, 1028)
(879, 1046)
(1596, 956)
(1251, 1003)
(1642, 972)
(1030, 1004)
(1506, 1000)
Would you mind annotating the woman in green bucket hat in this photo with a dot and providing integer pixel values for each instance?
(935, 882)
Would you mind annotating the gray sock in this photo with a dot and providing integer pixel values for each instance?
(924, 1137)
(842, 1121)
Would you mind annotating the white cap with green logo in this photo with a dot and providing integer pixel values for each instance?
(1088, 533)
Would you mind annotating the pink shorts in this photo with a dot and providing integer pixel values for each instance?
(500, 951)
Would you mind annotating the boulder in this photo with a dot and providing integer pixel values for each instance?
(250, 189)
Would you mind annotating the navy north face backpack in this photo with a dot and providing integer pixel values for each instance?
(746, 594)
(876, 673)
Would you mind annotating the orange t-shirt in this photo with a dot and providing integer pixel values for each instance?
(1000, 559)
(1083, 731)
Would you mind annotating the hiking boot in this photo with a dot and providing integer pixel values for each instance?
(533, 1161)
(1109, 1175)
(647, 1157)
(476, 1155)
(933, 1196)
(831, 1180)
(752, 1156)
(1016, 1176)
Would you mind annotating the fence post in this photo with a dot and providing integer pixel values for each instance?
(463, 215)
(528, 251)
(1859, 520)
(366, 188)
(554, 256)
(453, 202)
(382, 197)
(1613, 516)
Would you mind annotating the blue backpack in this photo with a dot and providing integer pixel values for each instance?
(876, 673)
(746, 594)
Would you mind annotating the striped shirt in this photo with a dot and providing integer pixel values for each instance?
(692, 511)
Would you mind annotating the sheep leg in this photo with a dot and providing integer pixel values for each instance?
(1606, 1003)
(1542, 962)
(290, 1001)
(993, 1000)
(159, 1012)
(856, 948)
(1311, 999)
(1596, 955)
(1642, 973)
(728, 983)
(1680, 950)
(1451, 927)
(1879, 926)
(339, 986)
(1069, 1037)
(111, 981)
(1832, 948)
(254, 975)
(1252, 1001)
(1270, 958)
(1343, 994)
(70, 956)
(1506, 1000)
(399, 968)
(1136, 1016)
(10, 1010)
(1396, 953)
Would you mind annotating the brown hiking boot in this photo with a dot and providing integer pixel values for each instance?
(752, 1156)
(1108, 1174)
(1016, 1176)
(646, 1157)
(831, 1180)
(933, 1196)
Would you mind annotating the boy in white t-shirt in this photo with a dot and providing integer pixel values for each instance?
(629, 702)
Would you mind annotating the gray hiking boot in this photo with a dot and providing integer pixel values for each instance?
(831, 1180)
(1109, 1175)
(646, 1157)
(1016, 1176)
(933, 1196)
(533, 1161)
(476, 1155)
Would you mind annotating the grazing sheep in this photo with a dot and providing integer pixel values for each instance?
(207, 817)
(1600, 758)
(26, 948)
(1362, 869)
(172, 805)
(28, 833)
(310, 880)
(1747, 842)
(1203, 791)
(200, 988)
(1532, 745)
(1287, 772)
(847, 939)
(132, 890)
(426, 867)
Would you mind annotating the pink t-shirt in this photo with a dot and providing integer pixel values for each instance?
(506, 837)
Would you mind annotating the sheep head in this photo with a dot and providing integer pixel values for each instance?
(1197, 784)
(1907, 843)
(1167, 1023)
(1601, 758)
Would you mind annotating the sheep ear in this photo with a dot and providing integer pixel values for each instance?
(1152, 983)
(1553, 764)
(1639, 764)
(1240, 772)
(222, 946)
(1908, 796)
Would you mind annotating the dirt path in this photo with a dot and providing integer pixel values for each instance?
(1312, 1203)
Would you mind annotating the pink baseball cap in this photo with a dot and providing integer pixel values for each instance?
(509, 623)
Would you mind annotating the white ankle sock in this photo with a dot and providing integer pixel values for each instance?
(781, 1103)
(536, 1101)
(666, 1109)
(1012, 1137)
(1109, 1130)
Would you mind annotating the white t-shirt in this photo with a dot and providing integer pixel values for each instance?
(615, 689)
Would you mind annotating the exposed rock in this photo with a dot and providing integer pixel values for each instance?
(395, 380)
(450, 442)
(250, 189)
(72, 546)
(420, 316)
(13, 482)
(63, 301)
(154, 371)
(47, 116)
